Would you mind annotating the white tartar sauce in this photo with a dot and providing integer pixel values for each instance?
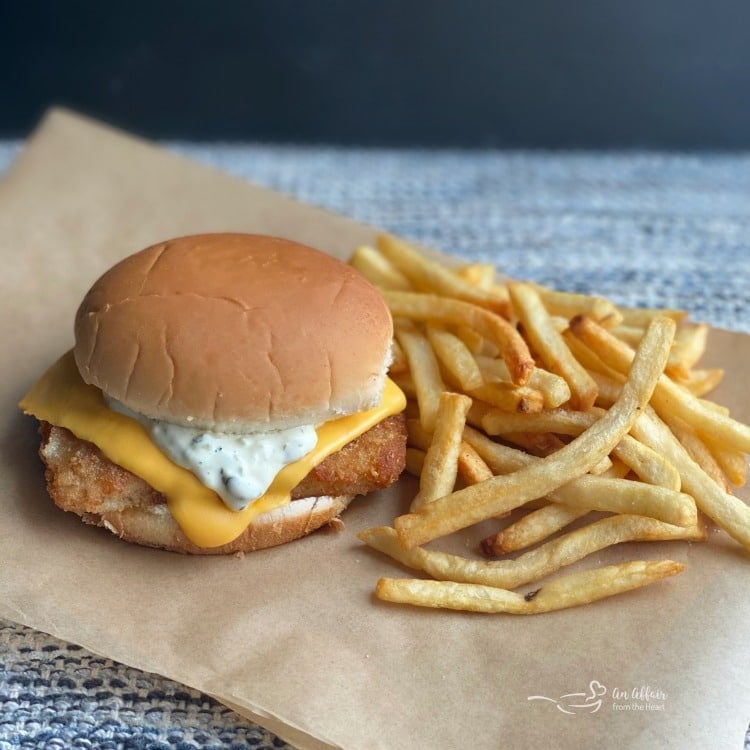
(238, 467)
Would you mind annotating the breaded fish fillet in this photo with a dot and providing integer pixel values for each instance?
(82, 480)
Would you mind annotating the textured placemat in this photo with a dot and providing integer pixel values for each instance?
(643, 229)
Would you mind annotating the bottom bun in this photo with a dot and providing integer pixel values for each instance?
(155, 527)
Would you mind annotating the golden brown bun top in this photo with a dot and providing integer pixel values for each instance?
(235, 332)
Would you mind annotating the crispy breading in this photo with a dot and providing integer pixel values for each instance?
(80, 479)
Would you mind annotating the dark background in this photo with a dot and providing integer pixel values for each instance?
(547, 74)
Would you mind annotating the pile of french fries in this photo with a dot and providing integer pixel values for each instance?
(571, 423)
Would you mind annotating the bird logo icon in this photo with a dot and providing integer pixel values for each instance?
(577, 703)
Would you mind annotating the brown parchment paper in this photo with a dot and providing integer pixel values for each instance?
(292, 637)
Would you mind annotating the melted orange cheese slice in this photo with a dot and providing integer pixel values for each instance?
(61, 398)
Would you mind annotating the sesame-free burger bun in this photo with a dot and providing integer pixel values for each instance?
(235, 333)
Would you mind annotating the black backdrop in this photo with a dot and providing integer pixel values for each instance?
(544, 73)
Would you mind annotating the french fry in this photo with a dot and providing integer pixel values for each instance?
(471, 466)
(424, 370)
(455, 358)
(609, 419)
(534, 527)
(588, 358)
(536, 564)
(555, 391)
(539, 444)
(640, 317)
(414, 461)
(570, 304)
(475, 342)
(631, 335)
(418, 436)
(668, 398)
(731, 461)
(627, 496)
(727, 511)
(550, 346)
(447, 311)
(588, 493)
(430, 276)
(689, 346)
(618, 470)
(698, 451)
(571, 590)
(700, 382)
(647, 464)
(502, 459)
(502, 493)
(509, 397)
(609, 388)
(481, 275)
(440, 467)
(374, 266)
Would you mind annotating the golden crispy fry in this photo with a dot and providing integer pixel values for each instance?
(631, 335)
(481, 275)
(441, 462)
(555, 391)
(455, 357)
(689, 346)
(374, 266)
(668, 398)
(701, 382)
(447, 311)
(509, 397)
(727, 511)
(424, 370)
(603, 467)
(502, 459)
(627, 496)
(589, 492)
(550, 346)
(560, 421)
(471, 466)
(537, 443)
(569, 304)
(475, 342)
(428, 275)
(502, 493)
(698, 451)
(587, 357)
(640, 317)
(534, 527)
(414, 461)
(732, 462)
(589, 440)
(618, 470)
(417, 435)
(537, 563)
(609, 388)
(571, 590)
(647, 464)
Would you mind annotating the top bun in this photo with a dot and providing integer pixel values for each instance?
(235, 333)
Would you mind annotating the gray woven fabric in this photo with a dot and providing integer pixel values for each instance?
(644, 229)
